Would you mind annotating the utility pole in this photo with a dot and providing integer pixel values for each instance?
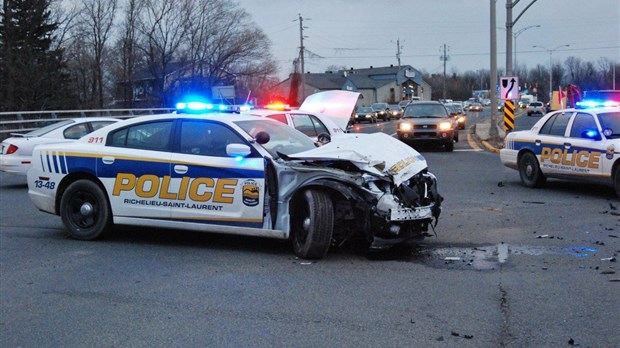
(493, 133)
(301, 57)
(398, 52)
(444, 58)
(509, 24)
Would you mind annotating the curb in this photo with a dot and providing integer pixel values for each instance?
(488, 146)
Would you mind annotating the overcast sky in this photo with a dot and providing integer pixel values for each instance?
(361, 33)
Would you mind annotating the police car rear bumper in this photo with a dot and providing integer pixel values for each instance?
(509, 158)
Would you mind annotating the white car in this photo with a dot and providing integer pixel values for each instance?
(237, 174)
(16, 151)
(577, 144)
(327, 112)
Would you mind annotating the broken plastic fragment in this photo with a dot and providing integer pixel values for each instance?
(610, 259)
(452, 258)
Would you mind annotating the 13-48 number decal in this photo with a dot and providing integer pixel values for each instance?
(45, 184)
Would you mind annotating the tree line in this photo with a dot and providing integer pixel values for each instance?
(573, 70)
(105, 53)
(147, 53)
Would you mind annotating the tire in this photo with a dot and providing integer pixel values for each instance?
(617, 181)
(312, 224)
(85, 210)
(529, 171)
(450, 146)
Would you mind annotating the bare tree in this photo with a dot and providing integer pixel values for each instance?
(225, 46)
(162, 26)
(96, 21)
(127, 59)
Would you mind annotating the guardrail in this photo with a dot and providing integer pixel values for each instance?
(25, 121)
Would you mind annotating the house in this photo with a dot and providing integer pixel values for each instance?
(382, 84)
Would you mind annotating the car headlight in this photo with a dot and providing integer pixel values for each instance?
(444, 126)
(405, 127)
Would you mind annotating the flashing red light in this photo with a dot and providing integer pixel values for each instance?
(12, 148)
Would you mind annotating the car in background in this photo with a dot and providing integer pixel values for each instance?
(456, 111)
(475, 107)
(365, 114)
(395, 111)
(323, 113)
(536, 108)
(382, 111)
(16, 151)
(523, 103)
(403, 104)
(575, 144)
(428, 122)
(237, 174)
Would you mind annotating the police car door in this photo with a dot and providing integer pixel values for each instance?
(584, 148)
(135, 169)
(550, 143)
(210, 186)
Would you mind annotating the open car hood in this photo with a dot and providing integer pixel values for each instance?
(337, 105)
(377, 153)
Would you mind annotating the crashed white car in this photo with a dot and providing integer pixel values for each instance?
(322, 113)
(237, 174)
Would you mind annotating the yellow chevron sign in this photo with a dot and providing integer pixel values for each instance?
(509, 115)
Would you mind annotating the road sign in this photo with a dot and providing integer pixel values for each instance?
(509, 87)
(509, 116)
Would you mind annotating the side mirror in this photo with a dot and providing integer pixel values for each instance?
(324, 138)
(262, 137)
(237, 150)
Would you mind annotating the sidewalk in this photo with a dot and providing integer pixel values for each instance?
(481, 133)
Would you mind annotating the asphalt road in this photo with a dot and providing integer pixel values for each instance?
(510, 266)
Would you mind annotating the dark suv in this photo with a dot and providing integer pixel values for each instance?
(428, 122)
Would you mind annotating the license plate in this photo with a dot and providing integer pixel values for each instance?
(407, 214)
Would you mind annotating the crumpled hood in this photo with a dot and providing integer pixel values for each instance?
(337, 105)
(376, 153)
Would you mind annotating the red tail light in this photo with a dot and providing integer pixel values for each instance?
(12, 148)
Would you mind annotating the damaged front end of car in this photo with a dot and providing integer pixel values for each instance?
(371, 196)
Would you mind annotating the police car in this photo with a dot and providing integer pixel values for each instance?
(578, 144)
(237, 174)
(321, 114)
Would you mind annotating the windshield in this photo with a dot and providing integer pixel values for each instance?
(426, 110)
(41, 131)
(282, 138)
(610, 120)
(379, 106)
(365, 109)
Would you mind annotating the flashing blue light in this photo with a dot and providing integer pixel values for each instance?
(591, 133)
(239, 158)
(245, 107)
(593, 103)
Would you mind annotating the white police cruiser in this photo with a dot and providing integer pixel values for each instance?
(577, 144)
(237, 174)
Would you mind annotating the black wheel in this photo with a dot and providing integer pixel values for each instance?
(85, 210)
(450, 146)
(617, 181)
(529, 171)
(312, 224)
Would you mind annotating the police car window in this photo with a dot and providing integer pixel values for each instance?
(318, 125)
(304, 124)
(147, 136)
(581, 125)
(207, 138)
(100, 124)
(556, 124)
(278, 117)
(610, 120)
(76, 132)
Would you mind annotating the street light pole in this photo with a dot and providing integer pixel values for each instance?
(519, 32)
(509, 25)
(550, 66)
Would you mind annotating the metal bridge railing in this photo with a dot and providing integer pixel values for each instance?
(25, 121)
